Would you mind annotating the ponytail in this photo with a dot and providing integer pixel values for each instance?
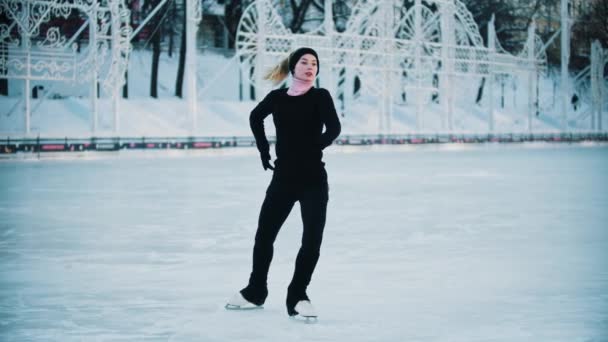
(279, 73)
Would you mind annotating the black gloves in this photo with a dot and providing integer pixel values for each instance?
(266, 162)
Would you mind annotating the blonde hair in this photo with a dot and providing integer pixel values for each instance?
(279, 72)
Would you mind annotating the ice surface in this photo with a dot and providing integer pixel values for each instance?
(426, 243)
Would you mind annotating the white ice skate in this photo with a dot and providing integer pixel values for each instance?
(306, 312)
(238, 302)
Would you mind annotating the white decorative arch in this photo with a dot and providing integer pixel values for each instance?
(389, 48)
(35, 46)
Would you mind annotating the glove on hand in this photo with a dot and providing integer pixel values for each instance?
(266, 162)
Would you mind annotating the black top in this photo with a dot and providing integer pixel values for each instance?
(299, 122)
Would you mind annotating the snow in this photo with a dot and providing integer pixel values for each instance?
(454, 242)
(67, 112)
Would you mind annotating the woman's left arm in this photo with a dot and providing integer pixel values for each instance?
(330, 119)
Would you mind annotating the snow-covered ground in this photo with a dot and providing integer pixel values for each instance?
(426, 243)
(67, 111)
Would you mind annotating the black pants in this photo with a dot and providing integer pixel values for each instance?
(280, 199)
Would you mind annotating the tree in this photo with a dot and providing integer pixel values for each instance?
(592, 25)
(170, 28)
(156, 24)
(179, 82)
(507, 29)
(130, 5)
(156, 36)
(511, 20)
(342, 11)
(548, 20)
(296, 14)
(3, 56)
(233, 10)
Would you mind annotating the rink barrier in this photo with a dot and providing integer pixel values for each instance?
(109, 144)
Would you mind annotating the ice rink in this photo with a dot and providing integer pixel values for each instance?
(428, 243)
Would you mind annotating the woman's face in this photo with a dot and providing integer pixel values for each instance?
(306, 68)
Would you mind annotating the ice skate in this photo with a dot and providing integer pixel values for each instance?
(238, 302)
(304, 311)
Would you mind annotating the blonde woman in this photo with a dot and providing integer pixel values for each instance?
(299, 113)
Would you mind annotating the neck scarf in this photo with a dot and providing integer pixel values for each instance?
(299, 87)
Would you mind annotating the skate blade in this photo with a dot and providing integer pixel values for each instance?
(242, 308)
(305, 319)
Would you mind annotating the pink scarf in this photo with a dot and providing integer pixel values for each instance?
(299, 87)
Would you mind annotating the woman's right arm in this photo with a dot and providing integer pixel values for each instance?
(256, 121)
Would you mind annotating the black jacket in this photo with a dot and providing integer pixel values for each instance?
(299, 122)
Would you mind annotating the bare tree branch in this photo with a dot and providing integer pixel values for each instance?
(318, 4)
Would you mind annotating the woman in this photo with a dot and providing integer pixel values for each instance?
(299, 114)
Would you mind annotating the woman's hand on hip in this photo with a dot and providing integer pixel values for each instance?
(266, 162)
